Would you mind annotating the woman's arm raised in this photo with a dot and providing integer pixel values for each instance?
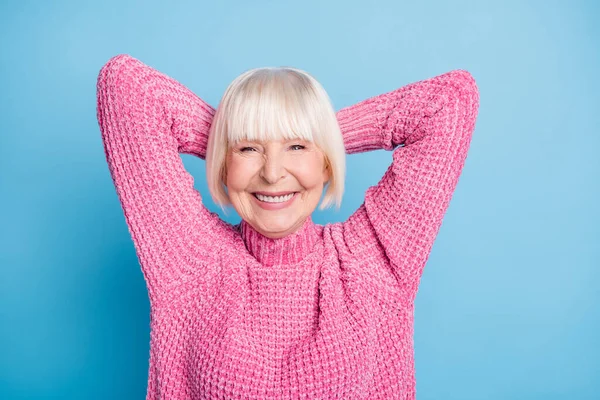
(146, 119)
(429, 124)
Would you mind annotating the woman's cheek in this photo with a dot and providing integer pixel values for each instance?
(240, 172)
(310, 170)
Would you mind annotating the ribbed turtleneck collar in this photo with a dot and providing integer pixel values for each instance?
(283, 251)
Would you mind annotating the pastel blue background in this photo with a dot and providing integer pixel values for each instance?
(509, 305)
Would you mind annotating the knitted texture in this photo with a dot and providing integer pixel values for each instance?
(326, 312)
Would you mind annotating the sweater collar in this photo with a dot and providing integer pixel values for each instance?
(287, 250)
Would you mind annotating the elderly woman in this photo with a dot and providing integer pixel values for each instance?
(277, 306)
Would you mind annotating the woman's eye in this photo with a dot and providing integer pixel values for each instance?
(297, 147)
(244, 149)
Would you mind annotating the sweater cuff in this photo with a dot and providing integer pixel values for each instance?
(361, 128)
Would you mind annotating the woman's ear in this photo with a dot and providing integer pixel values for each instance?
(326, 172)
(224, 175)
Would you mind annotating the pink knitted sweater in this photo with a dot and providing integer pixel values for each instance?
(326, 312)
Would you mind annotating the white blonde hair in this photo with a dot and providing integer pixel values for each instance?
(275, 103)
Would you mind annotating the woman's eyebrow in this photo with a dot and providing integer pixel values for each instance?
(297, 140)
(246, 141)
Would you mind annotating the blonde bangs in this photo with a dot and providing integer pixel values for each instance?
(269, 107)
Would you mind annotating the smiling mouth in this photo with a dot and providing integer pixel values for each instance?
(274, 199)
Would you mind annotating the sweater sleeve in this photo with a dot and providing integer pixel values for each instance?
(429, 125)
(146, 119)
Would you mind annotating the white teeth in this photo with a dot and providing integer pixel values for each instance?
(274, 199)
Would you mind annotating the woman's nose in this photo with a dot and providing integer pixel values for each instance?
(273, 169)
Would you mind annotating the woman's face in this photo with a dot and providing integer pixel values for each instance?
(274, 186)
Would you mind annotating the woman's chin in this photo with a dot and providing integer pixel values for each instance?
(277, 228)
